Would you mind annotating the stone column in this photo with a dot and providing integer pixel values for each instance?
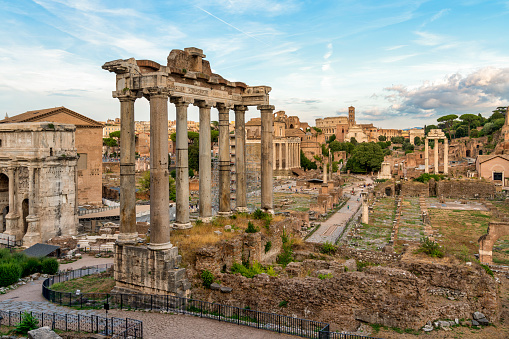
(446, 156)
(205, 213)
(128, 232)
(426, 157)
(33, 236)
(240, 158)
(267, 156)
(182, 180)
(224, 160)
(436, 156)
(324, 168)
(365, 208)
(287, 158)
(11, 219)
(279, 165)
(274, 159)
(159, 175)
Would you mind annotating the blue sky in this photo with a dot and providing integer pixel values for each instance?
(400, 63)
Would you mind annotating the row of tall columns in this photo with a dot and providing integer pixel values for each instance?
(290, 156)
(159, 176)
(435, 149)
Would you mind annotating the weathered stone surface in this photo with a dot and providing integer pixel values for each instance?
(43, 333)
(478, 315)
(225, 289)
(215, 286)
(351, 265)
(475, 322)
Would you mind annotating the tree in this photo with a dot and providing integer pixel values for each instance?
(109, 142)
(215, 124)
(214, 135)
(397, 140)
(305, 163)
(335, 146)
(145, 185)
(469, 119)
(417, 141)
(429, 128)
(382, 138)
(325, 150)
(353, 141)
(115, 134)
(331, 138)
(448, 121)
(318, 130)
(366, 157)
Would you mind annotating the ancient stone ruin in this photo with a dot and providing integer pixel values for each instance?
(186, 79)
(37, 182)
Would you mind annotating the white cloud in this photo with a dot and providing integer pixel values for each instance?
(265, 7)
(429, 39)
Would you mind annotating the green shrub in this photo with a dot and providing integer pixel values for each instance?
(324, 276)
(251, 228)
(431, 248)
(258, 214)
(487, 269)
(328, 248)
(283, 303)
(49, 266)
(249, 271)
(207, 278)
(268, 246)
(30, 266)
(5, 254)
(199, 222)
(28, 323)
(285, 257)
(10, 272)
(233, 216)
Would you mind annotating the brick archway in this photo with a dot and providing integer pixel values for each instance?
(486, 241)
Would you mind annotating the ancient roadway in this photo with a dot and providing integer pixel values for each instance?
(332, 228)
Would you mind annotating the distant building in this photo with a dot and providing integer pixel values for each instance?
(493, 168)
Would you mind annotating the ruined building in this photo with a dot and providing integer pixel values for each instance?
(37, 181)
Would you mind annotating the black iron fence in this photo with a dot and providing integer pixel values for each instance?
(115, 327)
(174, 304)
(8, 243)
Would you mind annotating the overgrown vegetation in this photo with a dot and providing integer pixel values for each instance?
(324, 276)
(249, 271)
(207, 278)
(13, 266)
(145, 185)
(425, 177)
(328, 248)
(430, 248)
(251, 228)
(286, 256)
(92, 283)
(28, 323)
(487, 269)
(268, 246)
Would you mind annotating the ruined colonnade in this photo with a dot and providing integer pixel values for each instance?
(159, 84)
(436, 134)
(286, 153)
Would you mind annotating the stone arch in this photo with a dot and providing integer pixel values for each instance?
(486, 241)
(291, 126)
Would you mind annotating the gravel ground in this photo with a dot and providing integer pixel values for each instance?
(157, 326)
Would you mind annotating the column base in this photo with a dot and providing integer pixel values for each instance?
(242, 209)
(270, 210)
(159, 247)
(127, 238)
(182, 226)
(205, 219)
(11, 225)
(224, 214)
(31, 239)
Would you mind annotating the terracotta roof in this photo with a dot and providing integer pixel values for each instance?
(482, 158)
(38, 115)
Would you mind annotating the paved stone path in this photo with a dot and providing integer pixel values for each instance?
(332, 228)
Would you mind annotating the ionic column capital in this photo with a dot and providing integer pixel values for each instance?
(204, 103)
(156, 92)
(240, 108)
(181, 101)
(224, 107)
(266, 107)
(126, 96)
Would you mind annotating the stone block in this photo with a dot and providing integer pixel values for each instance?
(43, 333)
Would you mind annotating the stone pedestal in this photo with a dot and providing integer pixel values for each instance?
(33, 236)
(11, 225)
(141, 270)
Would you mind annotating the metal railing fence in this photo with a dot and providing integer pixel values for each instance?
(115, 327)
(174, 304)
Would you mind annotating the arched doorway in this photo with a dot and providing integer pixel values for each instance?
(468, 153)
(291, 126)
(24, 209)
(4, 200)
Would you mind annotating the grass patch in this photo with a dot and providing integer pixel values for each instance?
(249, 271)
(93, 283)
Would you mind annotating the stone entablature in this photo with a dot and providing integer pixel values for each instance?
(37, 181)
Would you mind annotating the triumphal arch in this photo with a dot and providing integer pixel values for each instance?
(37, 181)
(185, 80)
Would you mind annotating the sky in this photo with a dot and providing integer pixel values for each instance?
(401, 64)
